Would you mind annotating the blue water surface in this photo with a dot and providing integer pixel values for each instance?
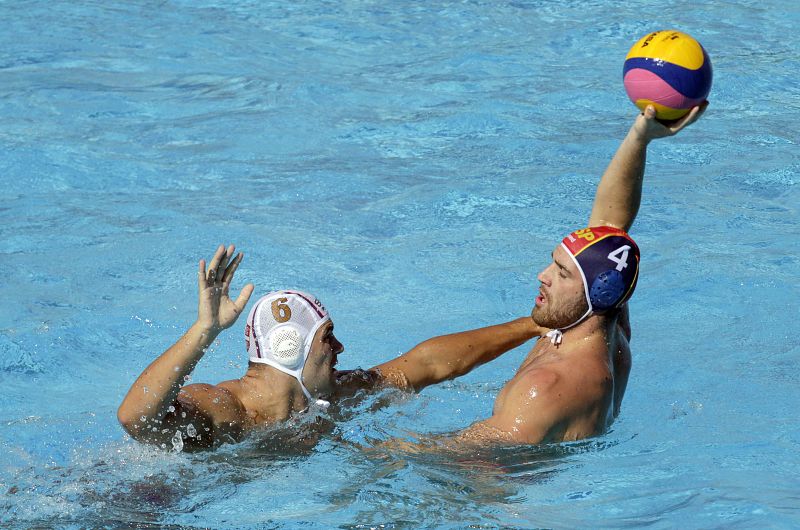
(412, 164)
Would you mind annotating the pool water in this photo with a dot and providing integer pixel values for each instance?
(413, 165)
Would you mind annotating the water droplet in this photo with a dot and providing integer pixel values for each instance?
(187, 378)
(143, 419)
(145, 390)
(191, 431)
(171, 409)
(177, 442)
(177, 368)
(216, 400)
(183, 414)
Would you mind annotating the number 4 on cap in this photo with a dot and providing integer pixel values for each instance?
(620, 257)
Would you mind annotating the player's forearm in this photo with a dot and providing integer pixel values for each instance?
(450, 356)
(619, 193)
(157, 387)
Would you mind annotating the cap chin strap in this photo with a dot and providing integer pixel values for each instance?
(297, 373)
(556, 335)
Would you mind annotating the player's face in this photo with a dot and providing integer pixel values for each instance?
(319, 371)
(561, 300)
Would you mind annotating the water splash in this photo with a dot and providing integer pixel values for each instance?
(177, 442)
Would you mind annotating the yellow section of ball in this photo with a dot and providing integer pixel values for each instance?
(662, 112)
(671, 46)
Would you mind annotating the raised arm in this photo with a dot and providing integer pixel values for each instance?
(619, 193)
(152, 404)
(450, 356)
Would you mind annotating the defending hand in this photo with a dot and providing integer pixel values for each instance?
(216, 311)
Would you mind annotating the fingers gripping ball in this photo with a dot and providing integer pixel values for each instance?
(669, 70)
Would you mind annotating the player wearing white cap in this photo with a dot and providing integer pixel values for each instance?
(293, 354)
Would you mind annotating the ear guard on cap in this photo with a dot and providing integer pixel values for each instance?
(286, 344)
(607, 289)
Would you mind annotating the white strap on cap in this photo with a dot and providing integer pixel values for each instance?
(555, 336)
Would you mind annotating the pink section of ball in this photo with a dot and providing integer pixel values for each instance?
(643, 84)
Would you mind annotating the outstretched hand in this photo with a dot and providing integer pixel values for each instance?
(216, 311)
(647, 127)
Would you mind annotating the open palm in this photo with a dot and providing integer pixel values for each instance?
(216, 311)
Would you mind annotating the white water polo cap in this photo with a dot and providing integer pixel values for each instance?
(280, 329)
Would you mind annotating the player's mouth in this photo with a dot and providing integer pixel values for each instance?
(541, 299)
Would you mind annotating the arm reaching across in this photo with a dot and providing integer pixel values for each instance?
(442, 358)
(156, 406)
(619, 193)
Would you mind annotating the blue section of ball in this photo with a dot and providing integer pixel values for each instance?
(607, 289)
(694, 84)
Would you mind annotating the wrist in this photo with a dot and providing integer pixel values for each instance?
(637, 138)
(206, 333)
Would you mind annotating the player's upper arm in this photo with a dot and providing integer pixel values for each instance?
(202, 416)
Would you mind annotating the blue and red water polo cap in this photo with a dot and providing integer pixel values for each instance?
(608, 260)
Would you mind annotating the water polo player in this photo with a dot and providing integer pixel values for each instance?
(293, 354)
(292, 349)
(571, 384)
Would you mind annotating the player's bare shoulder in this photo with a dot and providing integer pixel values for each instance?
(209, 414)
(531, 383)
(532, 405)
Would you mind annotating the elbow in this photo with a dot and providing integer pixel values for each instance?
(124, 419)
(127, 420)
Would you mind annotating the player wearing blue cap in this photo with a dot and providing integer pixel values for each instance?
(571, 384)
